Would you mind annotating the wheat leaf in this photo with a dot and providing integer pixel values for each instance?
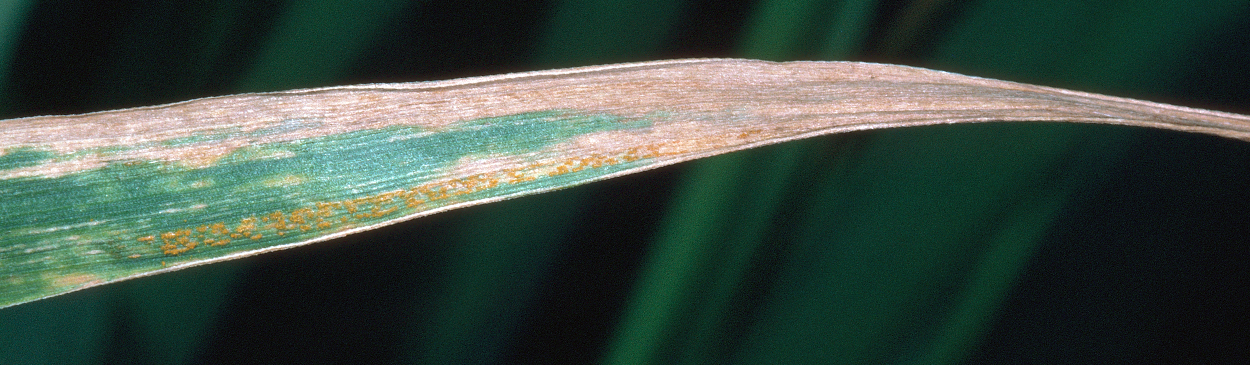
(102, 197)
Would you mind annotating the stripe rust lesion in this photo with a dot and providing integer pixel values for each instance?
(334, 216)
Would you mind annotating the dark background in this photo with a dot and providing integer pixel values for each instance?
(994, 243)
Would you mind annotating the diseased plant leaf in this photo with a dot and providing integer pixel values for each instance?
(102, 197)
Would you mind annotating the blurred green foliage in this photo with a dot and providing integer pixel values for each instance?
(1022, 243)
